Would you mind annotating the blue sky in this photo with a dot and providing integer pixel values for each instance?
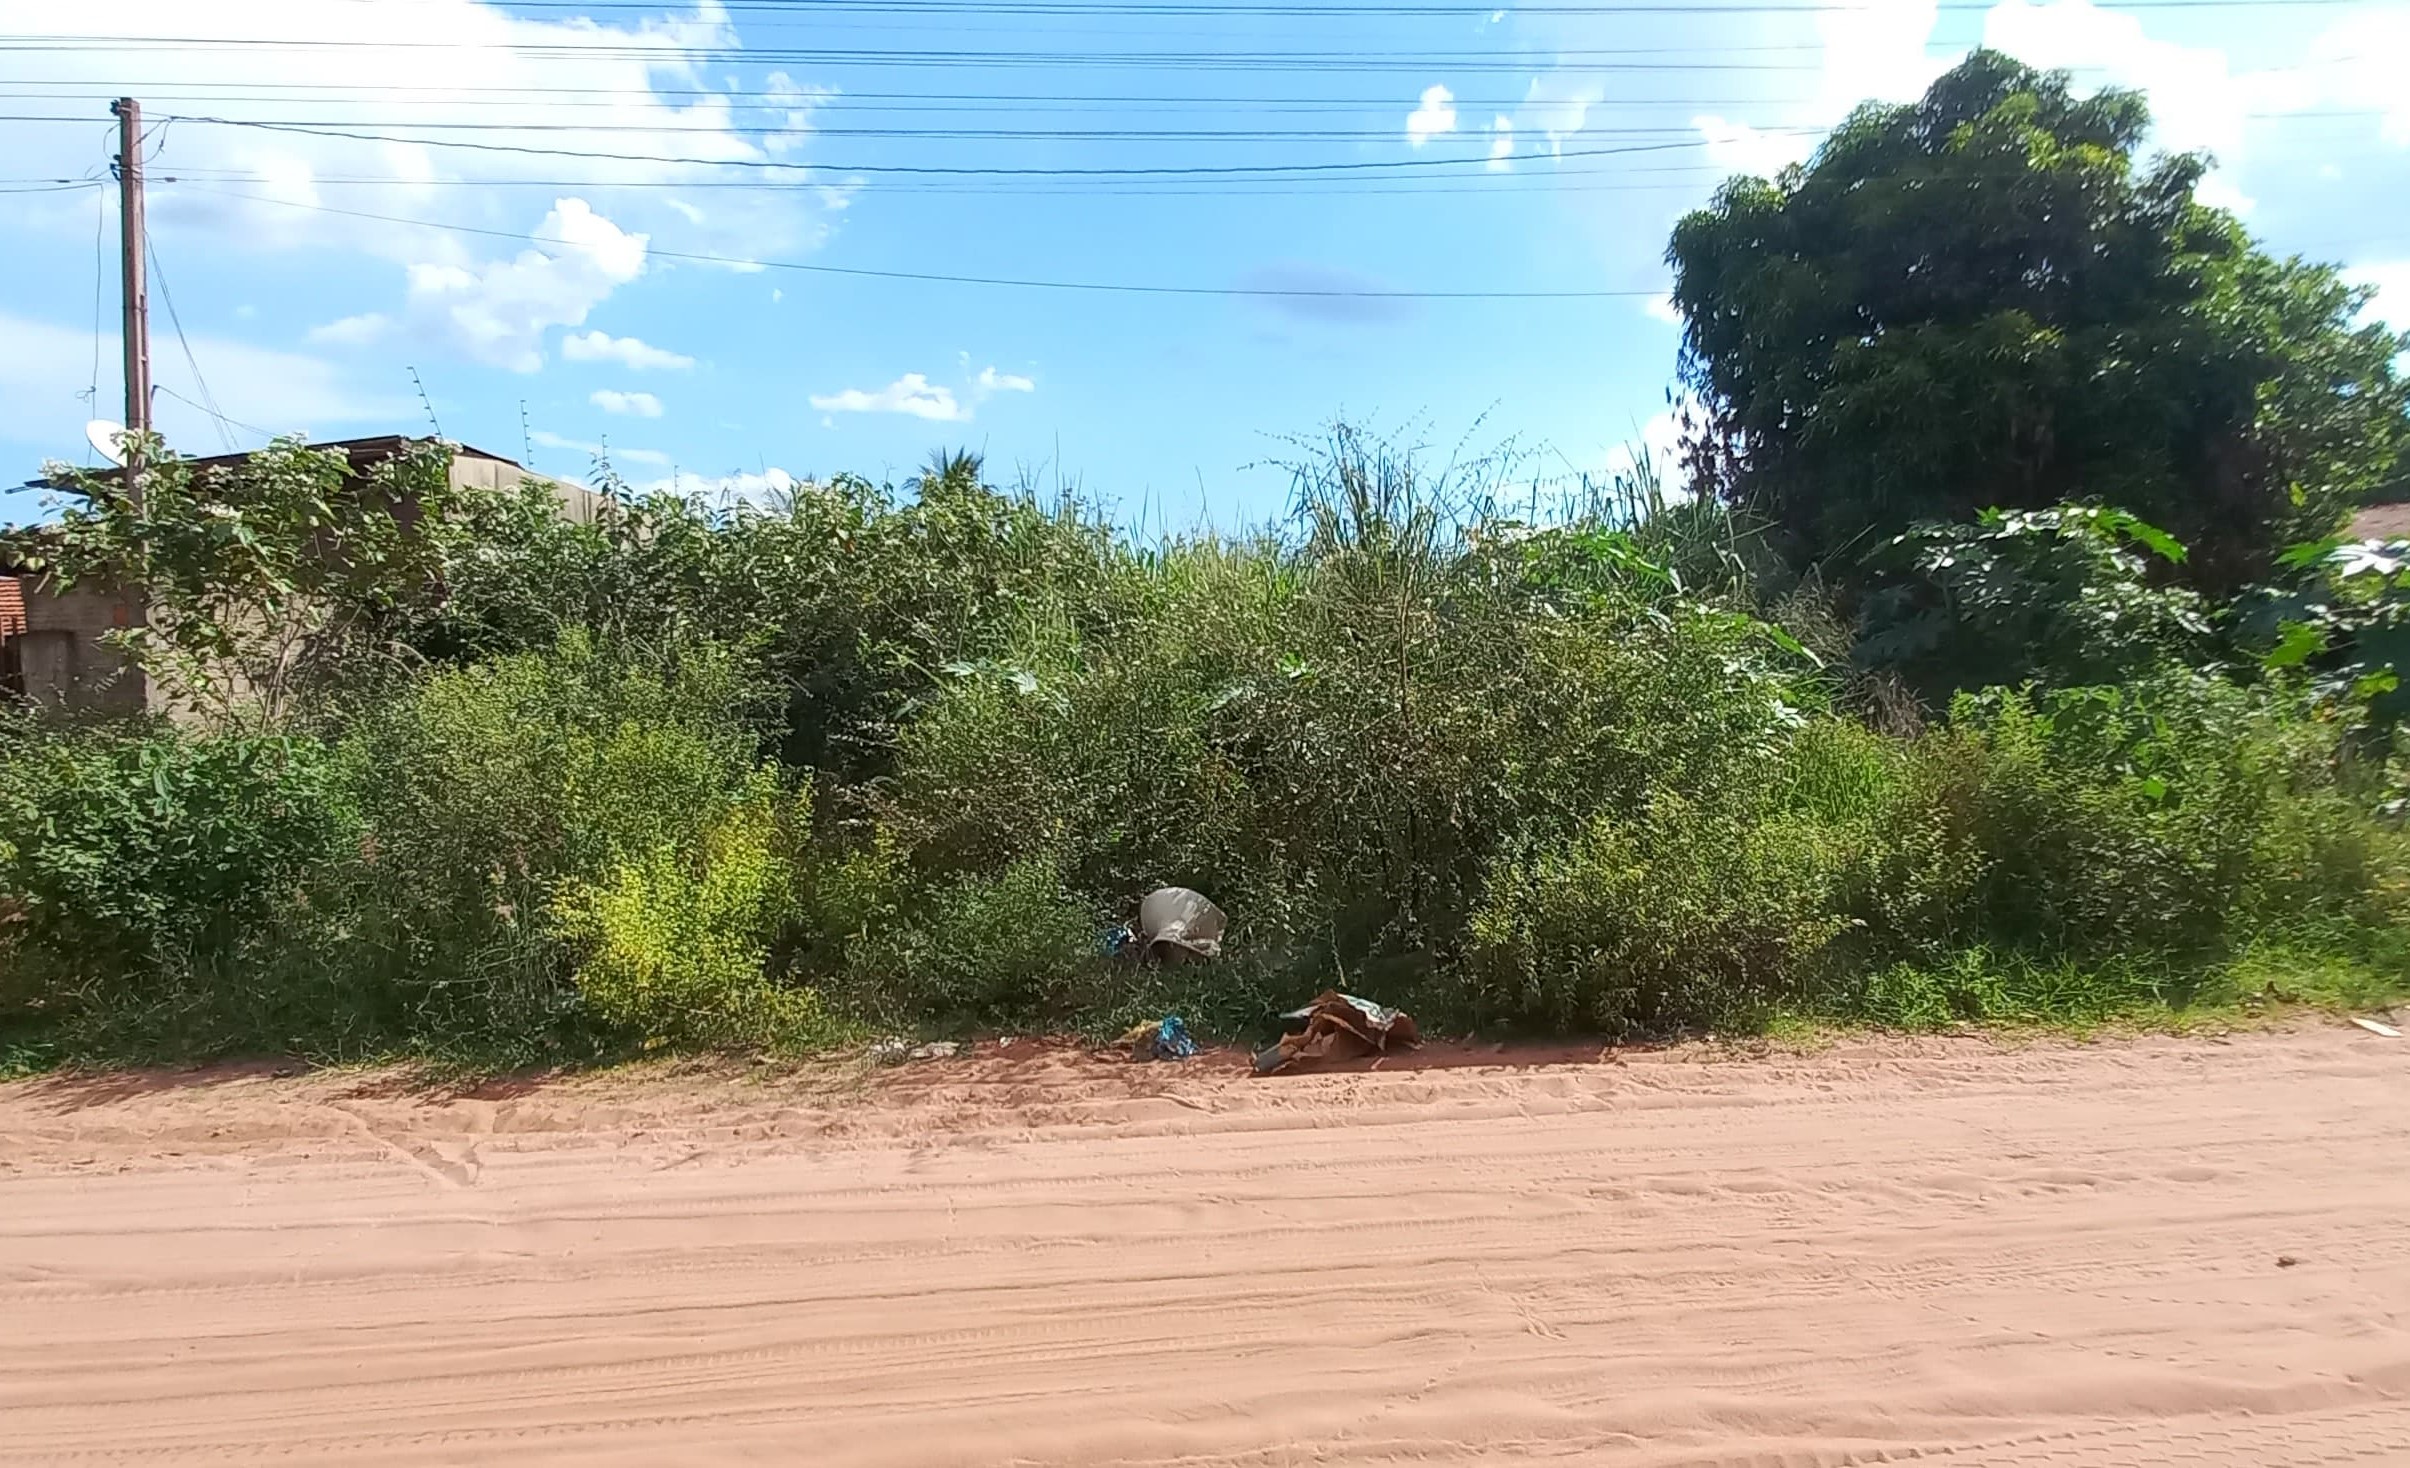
(618, 252)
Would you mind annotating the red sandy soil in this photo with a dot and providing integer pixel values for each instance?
(1948, 1252)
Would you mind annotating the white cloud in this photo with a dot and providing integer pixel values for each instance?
(796, 104)
(1502, 144)
(47, 371)
(2219, 190)
(626, 404)
(352, 331)
(915, 396)
(1661, 439)
(1737, 147)
(2390, 279)
(627, 351)
(652, 458)
(1435, 116)
(497, 311)
(2195, 101)
(1878, 50)
(1558, 108)
(2353, 64)
(769, 483)
(1662, 308)
(911, 394)
(647, 88)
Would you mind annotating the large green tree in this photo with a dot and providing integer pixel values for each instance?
(1987, 298)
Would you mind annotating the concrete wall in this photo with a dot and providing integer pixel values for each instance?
(60, 656)
(578, 504)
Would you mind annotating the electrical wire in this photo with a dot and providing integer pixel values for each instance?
(1513, 62)
(949, 101)
(1410, 165)
(1007, 135)
(100, 277)
(936, 278)
(221, 420)
(1310, 9)
(209, 403)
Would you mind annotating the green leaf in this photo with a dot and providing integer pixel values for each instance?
(2298, 642)
(2156, 540)
(2308, 553)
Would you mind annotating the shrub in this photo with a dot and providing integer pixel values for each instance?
(488, 790)
(1683, 914)
(142, 870)
(673, 943)
(1009, 948)
(2168, 817)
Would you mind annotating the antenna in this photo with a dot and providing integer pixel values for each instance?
(427, 403)
(108, 437)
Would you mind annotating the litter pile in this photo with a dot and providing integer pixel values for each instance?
(1337, 1026)
(1162, 1039)
(1178, 925)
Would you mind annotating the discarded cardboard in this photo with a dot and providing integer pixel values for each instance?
(1335, 1026)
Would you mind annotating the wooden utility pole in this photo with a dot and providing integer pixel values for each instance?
(130, 255)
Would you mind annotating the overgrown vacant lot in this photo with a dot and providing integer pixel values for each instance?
(2153, 1251)
(1992, 654)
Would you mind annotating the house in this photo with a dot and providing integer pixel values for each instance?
(50, 640)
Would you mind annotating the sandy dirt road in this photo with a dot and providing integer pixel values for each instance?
(2151, 1252)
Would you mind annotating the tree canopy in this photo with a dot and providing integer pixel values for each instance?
(1986, 298)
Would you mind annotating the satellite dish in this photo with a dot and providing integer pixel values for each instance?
(109, 437)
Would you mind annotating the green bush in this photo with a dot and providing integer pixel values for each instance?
(1014, 948)
(673, 944)
(1680, 915)
(2178, 816)
(488, 790)
(143, 872)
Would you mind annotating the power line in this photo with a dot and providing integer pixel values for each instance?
(222, 421)
(1410, 165)
(1514, 62)
(55, 186)
(100, 276)
(951, 101)
(934, 278)
(1524, 174)
(1008, 135)
(209, 403)
(1292, 9)
(947, 101)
